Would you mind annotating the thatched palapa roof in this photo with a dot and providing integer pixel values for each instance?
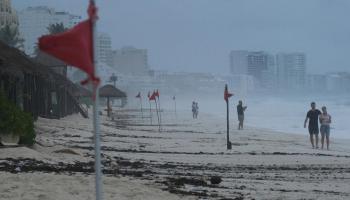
(111, 91)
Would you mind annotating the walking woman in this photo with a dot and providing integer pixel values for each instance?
(325, 121)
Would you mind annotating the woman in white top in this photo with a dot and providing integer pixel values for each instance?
(325, 121)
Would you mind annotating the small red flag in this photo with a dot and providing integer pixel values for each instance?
(75, 46)
(138, 95)
(153, 96)
(157, 93)
(227, 95)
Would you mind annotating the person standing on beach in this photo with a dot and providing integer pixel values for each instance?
(196, 110)
(240, 112)
(312, 117)
(325, 121)
(193, 109)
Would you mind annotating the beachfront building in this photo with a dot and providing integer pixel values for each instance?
(34, 21)
(131, 61)
(8, 16)
(104, 49)
(258, 65)
(239, 62)
(291, 71)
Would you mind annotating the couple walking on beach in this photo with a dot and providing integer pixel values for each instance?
(314, 116)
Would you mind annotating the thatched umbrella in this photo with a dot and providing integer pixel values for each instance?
(109, 91)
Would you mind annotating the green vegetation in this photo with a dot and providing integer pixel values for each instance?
(56, 28)
(15, 121)
(10, 36)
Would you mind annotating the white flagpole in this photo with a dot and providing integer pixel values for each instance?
(96, 119)
(160, 115)
(141, 108)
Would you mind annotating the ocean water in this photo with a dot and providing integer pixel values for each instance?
(284, 114)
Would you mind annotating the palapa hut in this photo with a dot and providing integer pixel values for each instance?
(34, 87)
(110, 92)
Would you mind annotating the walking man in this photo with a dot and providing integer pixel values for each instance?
(312, 117)
(240, 112)
(325, 121)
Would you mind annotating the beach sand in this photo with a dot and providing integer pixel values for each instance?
(141, 162)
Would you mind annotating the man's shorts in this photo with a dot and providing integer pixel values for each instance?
(313, 129)
(240, 118)
(325, 129)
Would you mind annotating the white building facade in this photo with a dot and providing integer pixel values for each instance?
(34, 21)
(8, 16)
(131, 61)
(291, 69)
(104, 49)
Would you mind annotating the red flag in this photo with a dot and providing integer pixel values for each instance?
(75, 46)
(227, 95)
(138, 95)
(157, 93)
(153, 96)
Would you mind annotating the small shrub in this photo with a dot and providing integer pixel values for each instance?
(15, 121)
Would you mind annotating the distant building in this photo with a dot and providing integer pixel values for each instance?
(8, 16)
(316, 82)
(338, 82)
(104, 49)
(239, 62)
(259, 65)
(291, 70)
(131, 61)
(34, 21)
(241, 84)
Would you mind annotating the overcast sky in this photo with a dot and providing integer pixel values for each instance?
(197, 35)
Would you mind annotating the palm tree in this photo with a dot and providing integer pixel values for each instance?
(56, 28)
(53, 29)
(10, 36)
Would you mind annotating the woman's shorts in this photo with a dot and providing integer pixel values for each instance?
(325, 129)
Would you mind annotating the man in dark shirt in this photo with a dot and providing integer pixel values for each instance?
(312, 116)
(240, 112)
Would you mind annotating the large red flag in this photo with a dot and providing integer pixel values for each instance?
(75, 46)
(227, 95)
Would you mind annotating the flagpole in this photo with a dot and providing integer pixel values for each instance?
(141, 107)
(175, 108)
(150, 111)
(96, 120)
(160, 114)
(229, 145)
(157, 113)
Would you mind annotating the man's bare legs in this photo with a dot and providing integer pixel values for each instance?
(240, 125)
(322, 141)
(327, 140)
(312, 140)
